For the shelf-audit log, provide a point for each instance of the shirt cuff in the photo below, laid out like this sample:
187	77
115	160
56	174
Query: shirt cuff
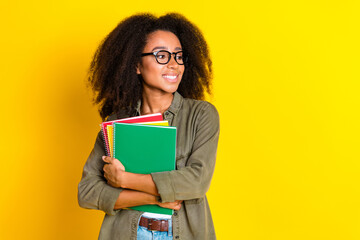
108	198
164	186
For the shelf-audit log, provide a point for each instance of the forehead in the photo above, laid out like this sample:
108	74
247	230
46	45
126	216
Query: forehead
160	38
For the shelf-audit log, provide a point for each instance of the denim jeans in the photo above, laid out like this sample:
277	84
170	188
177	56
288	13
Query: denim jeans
144	234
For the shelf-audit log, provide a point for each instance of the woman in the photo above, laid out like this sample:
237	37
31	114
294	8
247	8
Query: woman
149	65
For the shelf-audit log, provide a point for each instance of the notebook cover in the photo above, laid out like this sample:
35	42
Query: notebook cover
145	149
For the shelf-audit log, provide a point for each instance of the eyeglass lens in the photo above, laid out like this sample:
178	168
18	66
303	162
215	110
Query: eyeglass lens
163	57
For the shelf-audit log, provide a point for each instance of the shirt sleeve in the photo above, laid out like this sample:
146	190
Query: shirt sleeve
93	190
193	181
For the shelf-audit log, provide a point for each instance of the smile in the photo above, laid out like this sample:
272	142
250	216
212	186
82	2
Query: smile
170	77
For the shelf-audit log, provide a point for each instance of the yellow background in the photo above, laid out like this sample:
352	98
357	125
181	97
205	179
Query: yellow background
286	86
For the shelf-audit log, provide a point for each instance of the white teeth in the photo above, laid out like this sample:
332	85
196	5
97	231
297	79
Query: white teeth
170	77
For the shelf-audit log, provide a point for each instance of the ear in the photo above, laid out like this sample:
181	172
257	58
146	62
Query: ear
138	69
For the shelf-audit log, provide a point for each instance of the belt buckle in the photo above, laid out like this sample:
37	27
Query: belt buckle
162	225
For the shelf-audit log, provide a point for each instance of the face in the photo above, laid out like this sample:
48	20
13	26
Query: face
163	79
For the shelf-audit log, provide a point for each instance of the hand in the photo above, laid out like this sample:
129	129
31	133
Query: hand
113	171
171	205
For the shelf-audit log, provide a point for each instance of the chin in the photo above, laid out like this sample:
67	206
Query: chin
172	89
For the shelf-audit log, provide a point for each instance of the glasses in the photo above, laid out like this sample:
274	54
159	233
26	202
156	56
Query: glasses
163	56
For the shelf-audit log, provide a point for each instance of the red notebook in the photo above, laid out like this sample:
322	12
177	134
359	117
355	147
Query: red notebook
139	119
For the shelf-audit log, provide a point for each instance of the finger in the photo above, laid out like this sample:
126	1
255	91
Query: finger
107	159
122	166
108	181
111	183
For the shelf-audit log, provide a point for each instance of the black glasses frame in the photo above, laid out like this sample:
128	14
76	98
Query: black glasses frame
170	53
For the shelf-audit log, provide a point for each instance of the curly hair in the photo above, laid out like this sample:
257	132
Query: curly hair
112	74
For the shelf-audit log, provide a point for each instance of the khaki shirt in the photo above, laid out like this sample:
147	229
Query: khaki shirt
197	125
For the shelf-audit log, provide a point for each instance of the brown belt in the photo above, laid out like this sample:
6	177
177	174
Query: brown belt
154	225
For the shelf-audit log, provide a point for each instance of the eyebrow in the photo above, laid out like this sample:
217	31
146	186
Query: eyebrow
163	47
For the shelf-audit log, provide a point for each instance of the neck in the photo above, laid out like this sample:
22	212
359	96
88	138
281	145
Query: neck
155	103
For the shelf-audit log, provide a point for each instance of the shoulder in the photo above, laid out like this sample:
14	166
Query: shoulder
200	107
202	114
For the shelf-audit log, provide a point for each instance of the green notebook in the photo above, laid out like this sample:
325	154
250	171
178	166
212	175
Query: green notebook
145	149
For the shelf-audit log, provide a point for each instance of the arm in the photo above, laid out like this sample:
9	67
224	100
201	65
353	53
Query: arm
116	176
114	171
130	198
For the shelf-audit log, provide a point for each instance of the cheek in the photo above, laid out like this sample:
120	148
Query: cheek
150	68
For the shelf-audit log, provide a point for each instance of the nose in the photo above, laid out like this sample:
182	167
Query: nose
172	63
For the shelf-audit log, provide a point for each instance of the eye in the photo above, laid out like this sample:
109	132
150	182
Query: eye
161	55
179	57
